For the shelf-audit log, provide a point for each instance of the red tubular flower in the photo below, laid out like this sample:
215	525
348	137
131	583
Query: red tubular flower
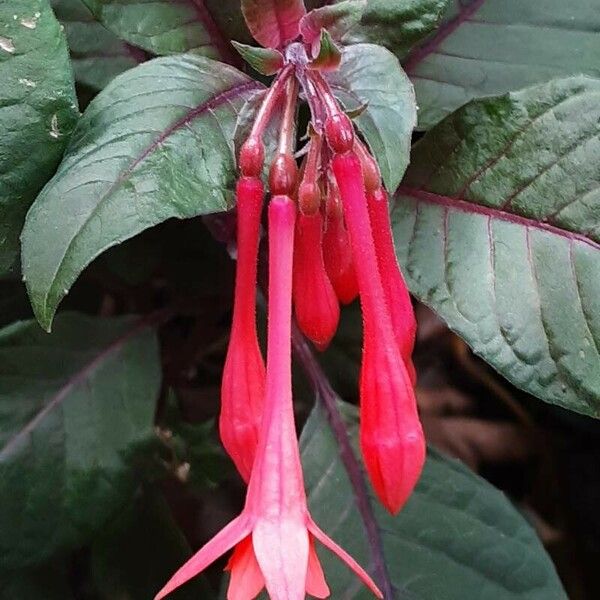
315	302
274	535
391	436
243	383
337	254
394	286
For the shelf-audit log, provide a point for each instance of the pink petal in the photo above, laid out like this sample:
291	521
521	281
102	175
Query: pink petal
281	548
345	557
315	579
246	581
224	541
273	22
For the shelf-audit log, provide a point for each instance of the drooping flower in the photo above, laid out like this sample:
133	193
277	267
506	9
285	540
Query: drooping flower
242	387
394	286
391	436
315	302
274	535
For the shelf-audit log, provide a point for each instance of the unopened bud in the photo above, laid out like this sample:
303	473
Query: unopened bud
283	175
309	197
339	132
252	157
370	169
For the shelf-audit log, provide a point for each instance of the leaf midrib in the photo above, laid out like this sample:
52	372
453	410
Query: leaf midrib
443	32
78	378
467	206
190	116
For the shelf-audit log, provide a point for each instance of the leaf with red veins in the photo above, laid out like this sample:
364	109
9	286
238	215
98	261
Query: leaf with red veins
338	19
264	60
273	23
328	55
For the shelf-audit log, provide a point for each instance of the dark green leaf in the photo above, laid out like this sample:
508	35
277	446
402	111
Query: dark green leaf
457	537
488	47
97	54
266	61
135	556
156	143
396	24
167	27
75	407
498	228
372	75
38	110
195	448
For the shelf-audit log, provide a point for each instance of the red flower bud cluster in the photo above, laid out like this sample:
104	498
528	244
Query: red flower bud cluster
330	241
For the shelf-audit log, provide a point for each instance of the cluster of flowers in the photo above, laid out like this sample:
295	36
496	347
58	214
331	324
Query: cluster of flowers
329	241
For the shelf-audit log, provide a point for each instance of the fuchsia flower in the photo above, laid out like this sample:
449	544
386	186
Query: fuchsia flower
394	286
342	248
316	305
391	436
242	388
274	536
338	252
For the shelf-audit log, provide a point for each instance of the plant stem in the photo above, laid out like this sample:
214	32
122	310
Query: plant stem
329	399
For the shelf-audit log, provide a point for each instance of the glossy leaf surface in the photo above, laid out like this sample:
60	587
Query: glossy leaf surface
156	143
38	110
75	407
488	47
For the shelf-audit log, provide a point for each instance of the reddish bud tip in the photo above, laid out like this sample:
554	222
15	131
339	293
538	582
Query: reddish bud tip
370	169
315	301
339	132
309	197
283	175
252	157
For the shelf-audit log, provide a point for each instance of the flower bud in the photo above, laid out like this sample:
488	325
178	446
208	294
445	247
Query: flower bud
337	254
394	287
252	157
309	197
283	175
243	383
339	132
391	436
315	302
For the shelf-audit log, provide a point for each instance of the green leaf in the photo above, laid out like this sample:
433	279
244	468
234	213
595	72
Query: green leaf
156	143
97	55
38	110
488	47
266	61
458	537
75	409
140	550
372	75
497	225
396	24
167	27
